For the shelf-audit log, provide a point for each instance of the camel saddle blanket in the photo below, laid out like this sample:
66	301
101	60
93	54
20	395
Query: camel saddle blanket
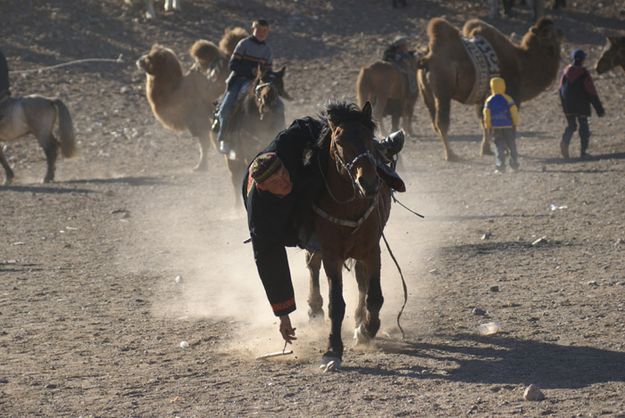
486	66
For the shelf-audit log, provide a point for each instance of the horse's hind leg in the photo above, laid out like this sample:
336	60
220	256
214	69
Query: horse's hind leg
204	141
8	173
315	301
395	121
50	148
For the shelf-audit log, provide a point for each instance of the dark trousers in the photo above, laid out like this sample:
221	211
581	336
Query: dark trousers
584	130
505	140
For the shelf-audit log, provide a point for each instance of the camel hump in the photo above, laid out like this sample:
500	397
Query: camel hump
440	30
231	38
204	52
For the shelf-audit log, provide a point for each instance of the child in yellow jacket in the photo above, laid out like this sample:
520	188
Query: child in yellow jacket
501	116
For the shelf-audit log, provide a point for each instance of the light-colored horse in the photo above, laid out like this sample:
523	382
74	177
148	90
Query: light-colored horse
37	115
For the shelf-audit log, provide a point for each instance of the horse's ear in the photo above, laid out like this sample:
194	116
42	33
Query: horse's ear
281	72
366	109
612	40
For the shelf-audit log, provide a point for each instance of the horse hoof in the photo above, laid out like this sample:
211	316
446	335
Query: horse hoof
330	362
48	180
316	317
361	335
486	151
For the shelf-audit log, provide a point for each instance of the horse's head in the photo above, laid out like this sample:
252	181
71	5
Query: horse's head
269	86
613	54
352	146
160	62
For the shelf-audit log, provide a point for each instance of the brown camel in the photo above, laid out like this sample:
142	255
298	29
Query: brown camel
213	60
613	55
382	84
180	101
447	72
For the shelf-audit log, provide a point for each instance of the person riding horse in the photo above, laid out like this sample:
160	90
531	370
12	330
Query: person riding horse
281	185
250	55
4	78
398	54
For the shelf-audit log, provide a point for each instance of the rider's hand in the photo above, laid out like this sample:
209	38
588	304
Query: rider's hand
287	331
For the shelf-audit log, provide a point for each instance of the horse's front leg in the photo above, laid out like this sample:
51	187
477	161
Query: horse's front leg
336	310
374	301
8	173
315	301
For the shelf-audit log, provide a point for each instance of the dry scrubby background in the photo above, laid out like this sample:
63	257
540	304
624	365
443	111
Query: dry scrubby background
90	314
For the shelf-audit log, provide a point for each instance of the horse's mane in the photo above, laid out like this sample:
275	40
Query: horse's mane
336	113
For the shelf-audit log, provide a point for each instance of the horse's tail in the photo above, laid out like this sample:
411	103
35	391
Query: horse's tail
66	129
363	87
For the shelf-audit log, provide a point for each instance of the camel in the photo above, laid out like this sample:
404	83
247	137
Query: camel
180	101
447	73
382	84
613	55
213	59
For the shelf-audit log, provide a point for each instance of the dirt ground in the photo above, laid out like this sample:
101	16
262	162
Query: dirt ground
106	272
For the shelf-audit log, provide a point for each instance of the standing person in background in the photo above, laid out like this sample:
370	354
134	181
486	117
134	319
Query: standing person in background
4	78
577	93
501	116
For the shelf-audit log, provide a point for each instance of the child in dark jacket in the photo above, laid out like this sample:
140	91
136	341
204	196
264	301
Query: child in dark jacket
577	93
502	117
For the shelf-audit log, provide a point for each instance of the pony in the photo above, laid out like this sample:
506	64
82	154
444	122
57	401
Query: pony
255	121
387	88
447	73
37	115
613	55
349	217
180	101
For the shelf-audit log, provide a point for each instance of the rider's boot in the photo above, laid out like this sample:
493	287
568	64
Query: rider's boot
391	145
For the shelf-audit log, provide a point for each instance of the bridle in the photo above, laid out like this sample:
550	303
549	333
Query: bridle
259	98
347	167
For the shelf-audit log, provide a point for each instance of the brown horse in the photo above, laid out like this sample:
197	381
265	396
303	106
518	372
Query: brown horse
448	72
613	55
349	218
255	121
37	115
382	84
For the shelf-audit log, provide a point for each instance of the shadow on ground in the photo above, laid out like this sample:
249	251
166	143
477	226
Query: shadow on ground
507	360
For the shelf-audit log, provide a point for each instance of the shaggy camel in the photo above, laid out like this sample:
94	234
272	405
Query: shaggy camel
382	84
179	101
213	60
613	55
447	72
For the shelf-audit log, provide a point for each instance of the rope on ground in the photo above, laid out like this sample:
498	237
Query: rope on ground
117	60
403	283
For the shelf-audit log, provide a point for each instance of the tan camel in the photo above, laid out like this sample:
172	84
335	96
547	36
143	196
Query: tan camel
447	73
179	100
213	60
613	55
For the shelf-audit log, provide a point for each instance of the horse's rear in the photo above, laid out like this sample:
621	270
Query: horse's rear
382	84
39	116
